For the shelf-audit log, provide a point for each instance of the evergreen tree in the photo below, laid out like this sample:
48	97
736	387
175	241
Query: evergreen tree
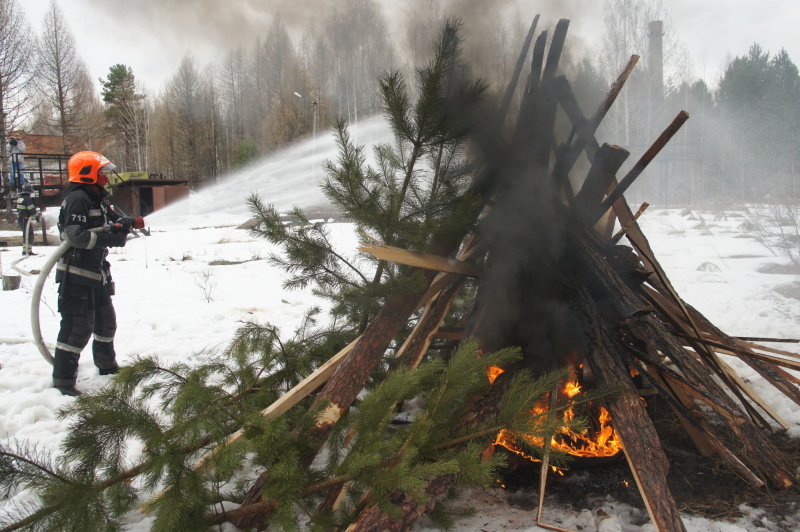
759	105
153	422
126	116
416	189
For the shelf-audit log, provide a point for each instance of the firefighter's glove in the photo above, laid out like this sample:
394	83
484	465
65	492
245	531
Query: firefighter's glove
113	240
119	227
126	222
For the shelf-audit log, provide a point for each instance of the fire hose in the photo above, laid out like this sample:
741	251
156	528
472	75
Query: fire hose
136	223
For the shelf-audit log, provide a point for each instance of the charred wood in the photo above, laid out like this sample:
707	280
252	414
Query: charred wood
643	161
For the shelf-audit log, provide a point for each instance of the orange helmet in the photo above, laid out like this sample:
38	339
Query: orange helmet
89	167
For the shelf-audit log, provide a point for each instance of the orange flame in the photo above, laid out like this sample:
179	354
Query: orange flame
598	443
572	389
492	372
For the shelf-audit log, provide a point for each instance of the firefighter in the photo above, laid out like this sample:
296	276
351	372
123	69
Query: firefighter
83	273
26	209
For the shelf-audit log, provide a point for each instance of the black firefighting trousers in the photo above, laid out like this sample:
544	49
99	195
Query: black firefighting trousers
85	311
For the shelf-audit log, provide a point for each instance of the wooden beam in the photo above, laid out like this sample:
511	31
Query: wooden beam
617	237
644	160
632	424
760	339
556	47
449	335
586	141
751	345
745	352
420	260
512	85
607	162
747	389
416	344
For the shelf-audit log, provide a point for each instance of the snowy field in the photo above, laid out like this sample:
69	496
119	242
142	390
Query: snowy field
184	290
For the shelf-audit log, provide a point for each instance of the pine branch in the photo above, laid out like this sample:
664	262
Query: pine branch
276	232
29	520
35	465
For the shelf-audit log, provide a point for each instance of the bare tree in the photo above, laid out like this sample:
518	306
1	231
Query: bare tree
361	52
189	125
17	49
233	85
63	82
183	101
255	97
423	23
627	32
90	123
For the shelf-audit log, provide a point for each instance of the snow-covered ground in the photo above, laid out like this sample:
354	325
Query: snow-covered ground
184	290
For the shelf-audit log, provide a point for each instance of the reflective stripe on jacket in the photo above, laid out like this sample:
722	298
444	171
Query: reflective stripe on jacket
83	209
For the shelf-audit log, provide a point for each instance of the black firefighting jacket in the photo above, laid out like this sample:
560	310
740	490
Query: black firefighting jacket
26	208
85	207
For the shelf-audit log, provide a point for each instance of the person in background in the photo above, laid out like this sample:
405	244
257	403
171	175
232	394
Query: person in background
90	225
26	210
16	149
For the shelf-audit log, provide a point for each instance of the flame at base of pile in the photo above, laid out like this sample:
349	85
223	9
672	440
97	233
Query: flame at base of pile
590	443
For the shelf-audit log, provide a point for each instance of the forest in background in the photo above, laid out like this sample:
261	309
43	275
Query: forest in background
741	144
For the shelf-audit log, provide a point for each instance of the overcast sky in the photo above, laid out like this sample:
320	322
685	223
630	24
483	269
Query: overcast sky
151	36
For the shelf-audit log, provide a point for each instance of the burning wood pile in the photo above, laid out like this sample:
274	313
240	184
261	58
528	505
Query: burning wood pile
554	279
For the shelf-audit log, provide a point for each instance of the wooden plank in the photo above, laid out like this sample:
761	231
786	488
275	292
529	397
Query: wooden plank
633	426
581	126
727	413
546	455
746	352
760	339
768	349
537	61
420	260
556	47
613	92
439	283
449	335
617	237
512	85
420	338
288	400
606	356
747	389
